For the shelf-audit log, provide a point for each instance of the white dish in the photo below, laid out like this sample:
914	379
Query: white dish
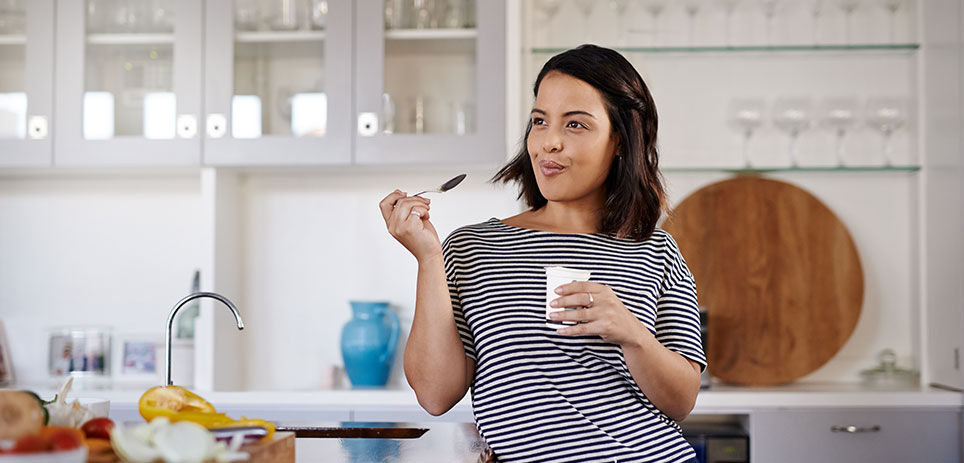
78	455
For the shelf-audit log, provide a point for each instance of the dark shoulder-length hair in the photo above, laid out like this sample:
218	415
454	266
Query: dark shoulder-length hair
635	196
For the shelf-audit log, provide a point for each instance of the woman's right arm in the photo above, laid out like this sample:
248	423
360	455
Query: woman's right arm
435	362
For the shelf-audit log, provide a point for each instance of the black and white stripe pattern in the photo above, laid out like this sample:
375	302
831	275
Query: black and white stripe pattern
542	397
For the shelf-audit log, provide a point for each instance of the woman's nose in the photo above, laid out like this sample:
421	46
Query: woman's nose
552	143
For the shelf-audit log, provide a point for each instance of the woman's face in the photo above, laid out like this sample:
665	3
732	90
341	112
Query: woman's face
570	145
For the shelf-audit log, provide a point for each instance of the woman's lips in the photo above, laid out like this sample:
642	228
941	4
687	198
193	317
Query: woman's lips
550	168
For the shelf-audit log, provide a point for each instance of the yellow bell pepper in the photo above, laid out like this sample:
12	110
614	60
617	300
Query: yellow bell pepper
179	404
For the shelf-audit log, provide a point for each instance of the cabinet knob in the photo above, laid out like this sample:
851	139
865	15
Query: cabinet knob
367	124
851	429
217	125
37	127
186	126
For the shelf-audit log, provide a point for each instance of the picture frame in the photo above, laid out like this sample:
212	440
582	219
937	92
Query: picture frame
6	361
138	359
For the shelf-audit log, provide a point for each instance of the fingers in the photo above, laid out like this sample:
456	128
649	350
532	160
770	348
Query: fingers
396	207
574	315
580	287
581	299
388	203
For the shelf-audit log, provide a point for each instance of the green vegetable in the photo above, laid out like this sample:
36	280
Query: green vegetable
43	404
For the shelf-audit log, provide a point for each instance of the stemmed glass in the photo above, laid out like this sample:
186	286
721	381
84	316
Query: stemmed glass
655	9
887	114
692	8
585	8
893	6
848	7
547	10
728	7
619	7
746	115
792	115
839	114
769	8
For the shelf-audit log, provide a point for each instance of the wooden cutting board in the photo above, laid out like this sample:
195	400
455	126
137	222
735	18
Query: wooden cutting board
778	273
279	449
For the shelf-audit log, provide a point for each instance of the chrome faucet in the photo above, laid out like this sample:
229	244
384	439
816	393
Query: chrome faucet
190	297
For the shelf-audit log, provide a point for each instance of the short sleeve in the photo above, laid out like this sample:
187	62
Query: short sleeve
677	310
451	278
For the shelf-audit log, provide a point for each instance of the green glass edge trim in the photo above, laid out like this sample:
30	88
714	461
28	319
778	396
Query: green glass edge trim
792	169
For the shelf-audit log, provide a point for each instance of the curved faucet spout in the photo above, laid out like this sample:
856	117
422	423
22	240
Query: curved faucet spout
179	305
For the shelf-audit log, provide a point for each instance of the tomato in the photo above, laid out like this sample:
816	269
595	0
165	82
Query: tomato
30	444
62	438
98	428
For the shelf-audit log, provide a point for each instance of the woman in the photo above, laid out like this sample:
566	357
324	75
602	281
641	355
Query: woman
612	386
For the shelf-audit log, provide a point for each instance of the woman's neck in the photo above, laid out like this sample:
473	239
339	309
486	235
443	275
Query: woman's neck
559	218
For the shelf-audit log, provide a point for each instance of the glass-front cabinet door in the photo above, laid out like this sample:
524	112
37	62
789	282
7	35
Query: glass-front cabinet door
278	82
430	81
26	81
128	82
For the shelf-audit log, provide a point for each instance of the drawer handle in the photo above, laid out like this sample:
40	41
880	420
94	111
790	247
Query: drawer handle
855	429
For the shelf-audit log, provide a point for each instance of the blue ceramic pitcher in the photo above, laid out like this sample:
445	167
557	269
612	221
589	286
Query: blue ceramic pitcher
368	343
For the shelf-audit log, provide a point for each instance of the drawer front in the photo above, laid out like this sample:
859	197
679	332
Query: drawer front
855	435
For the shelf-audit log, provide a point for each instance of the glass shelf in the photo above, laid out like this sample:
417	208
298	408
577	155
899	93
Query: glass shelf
280	36
906	47
13	39
760	170
130	39
431	34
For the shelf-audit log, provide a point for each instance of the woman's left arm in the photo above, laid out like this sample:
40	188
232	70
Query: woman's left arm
669	380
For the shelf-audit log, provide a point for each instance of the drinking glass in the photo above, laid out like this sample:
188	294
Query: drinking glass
319	14
286	15
546	10
746	115
585	8
423	14
655	9
394	16
848	7
729	6
692	8
619	7
892	7
839	115
792	115
247	15
887	115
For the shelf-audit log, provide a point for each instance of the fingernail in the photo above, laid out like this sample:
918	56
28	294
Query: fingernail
559	290
554	303
563	331
553	315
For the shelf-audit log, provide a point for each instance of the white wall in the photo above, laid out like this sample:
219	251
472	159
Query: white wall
93	250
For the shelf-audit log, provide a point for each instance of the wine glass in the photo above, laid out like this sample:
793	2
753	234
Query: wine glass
585	8
769	8
692	8
887	114
729	6
655	9
746	115
619	7
816	11
547	10
839	114
792	115
892	7
848	7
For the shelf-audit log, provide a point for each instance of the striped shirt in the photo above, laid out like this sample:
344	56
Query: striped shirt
539	396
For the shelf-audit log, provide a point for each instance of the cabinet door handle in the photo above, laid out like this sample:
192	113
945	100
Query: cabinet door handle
855	429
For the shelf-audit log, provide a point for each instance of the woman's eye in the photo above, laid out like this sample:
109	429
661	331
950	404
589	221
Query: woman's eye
538	121
575	125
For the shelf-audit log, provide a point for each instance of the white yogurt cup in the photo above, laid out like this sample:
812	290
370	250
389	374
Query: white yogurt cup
556	277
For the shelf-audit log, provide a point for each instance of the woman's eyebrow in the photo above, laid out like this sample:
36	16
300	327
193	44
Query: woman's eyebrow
567	114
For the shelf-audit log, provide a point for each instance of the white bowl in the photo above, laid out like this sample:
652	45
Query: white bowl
78	455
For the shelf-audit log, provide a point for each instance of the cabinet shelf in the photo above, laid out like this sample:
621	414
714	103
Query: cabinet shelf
130	39
761	170
13	40
895	47
431	34
280	36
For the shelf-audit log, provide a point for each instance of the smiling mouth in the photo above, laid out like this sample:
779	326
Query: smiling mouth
549	168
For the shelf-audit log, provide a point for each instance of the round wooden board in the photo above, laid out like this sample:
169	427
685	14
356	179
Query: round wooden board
778	273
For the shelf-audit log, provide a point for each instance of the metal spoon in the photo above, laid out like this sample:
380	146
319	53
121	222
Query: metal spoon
445	186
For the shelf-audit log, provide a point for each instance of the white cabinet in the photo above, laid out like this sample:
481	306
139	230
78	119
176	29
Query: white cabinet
892	435
26	83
